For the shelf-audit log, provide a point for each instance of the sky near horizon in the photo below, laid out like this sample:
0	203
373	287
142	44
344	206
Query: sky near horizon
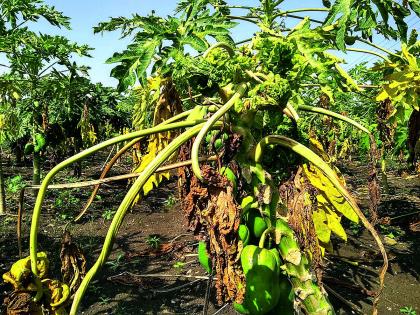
87	14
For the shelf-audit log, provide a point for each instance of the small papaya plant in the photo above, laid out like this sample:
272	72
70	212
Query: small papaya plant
265	195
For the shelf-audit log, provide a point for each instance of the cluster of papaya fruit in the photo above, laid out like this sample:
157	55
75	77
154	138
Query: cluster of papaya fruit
268	290
37	145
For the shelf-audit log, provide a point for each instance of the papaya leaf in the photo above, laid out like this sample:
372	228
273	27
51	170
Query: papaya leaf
322	229
328	194
415	6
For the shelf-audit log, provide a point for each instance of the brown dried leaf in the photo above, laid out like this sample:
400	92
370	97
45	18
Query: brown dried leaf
21	303
373	183
211	207
293	193
73	263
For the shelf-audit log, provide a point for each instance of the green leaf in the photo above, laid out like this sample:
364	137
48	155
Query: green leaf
415	6
195	42
343	9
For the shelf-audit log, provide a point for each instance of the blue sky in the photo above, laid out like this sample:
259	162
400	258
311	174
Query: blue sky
88	13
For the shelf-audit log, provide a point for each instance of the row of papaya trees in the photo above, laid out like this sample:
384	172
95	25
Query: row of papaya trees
257	184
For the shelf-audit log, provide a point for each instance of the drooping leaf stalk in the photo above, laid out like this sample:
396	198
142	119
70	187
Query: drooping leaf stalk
327	112
125	205
219	45
33	241
370	52
116	157
105	171
362	40
330	174
373	188
290	112
208	125
306	10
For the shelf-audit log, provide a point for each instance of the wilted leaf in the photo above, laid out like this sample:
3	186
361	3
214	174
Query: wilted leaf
73	262
322	230
329	194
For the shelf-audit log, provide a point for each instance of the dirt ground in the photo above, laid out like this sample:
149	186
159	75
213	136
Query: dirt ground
122	288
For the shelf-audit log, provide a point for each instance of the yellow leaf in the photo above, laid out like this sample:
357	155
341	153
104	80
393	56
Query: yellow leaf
335	225
317	147
350	81
2	121
320	222
328	194
382	96
16	95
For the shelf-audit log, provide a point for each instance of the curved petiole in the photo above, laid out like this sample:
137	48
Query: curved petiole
219	45
125	205
33	240
327	112
208	125
117	156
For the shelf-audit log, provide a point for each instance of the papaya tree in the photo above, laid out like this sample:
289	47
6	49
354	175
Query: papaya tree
32	57
8	132
401	92
263	193
13	31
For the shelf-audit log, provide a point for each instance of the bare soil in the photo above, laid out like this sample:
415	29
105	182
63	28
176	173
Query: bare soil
351	271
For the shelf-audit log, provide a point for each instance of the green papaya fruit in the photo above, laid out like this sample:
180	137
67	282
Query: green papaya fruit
204	257
261	268
286	298
39	142
243	232
29	149
230	175
255	223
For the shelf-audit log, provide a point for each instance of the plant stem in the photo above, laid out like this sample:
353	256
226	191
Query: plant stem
290	111
88	183
213	119
219	45
377	47
36	177
2	189
370	52
333	114
404	215
33	241
384	176
362	86
298	271
264	236
306	10
235	6
249	19
298	17
105	171
116	157
125	205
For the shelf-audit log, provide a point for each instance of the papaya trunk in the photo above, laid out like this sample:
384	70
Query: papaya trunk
36	177
2	189
18	154
384	177
314	299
